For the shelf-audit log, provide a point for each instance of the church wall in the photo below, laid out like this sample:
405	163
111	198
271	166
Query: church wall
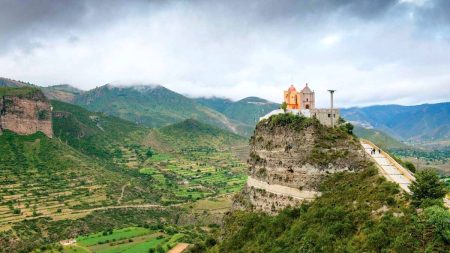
323	115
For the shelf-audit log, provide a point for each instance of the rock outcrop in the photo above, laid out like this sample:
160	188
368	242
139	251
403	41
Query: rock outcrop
289	156
25	111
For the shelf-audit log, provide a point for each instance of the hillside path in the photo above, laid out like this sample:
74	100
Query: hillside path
281	189
389	167
119	201
179	248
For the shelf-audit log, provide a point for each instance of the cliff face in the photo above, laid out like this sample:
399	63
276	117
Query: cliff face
25	111
289	156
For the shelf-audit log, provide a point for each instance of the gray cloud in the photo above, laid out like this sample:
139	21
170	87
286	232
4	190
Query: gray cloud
371	51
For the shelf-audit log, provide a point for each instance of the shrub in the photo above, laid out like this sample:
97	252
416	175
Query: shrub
439	218
427	187
410	166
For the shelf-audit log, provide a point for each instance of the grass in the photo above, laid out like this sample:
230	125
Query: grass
119	234
142	247
22	92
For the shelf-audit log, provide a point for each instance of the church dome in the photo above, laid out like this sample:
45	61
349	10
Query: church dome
306	89
292	88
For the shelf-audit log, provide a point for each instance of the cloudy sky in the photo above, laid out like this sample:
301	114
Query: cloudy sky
371	52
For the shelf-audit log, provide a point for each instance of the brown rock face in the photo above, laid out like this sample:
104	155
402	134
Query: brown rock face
290	156
26	114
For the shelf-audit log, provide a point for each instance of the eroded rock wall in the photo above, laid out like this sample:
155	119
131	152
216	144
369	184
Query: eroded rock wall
26	115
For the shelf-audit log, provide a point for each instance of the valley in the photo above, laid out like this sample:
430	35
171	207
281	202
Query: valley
99	166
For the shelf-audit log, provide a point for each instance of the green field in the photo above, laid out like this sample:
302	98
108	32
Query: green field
130	240
120	234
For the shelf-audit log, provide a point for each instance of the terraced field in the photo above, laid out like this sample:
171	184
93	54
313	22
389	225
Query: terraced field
197	174
130	240
37	180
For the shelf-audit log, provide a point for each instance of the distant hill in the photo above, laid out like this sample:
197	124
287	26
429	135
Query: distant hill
380	139
247	110
153	106
61	92
6	82
427	122
192	134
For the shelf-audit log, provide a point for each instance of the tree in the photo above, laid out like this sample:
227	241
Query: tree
439	218
427	189
283	106
149	153
160	249
410	166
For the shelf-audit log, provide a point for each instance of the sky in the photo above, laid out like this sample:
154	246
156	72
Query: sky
371	52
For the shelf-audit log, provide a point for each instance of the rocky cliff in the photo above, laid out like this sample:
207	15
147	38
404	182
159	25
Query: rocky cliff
289	156
25	111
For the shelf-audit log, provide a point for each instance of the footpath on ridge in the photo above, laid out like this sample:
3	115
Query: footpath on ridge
282	190
390	169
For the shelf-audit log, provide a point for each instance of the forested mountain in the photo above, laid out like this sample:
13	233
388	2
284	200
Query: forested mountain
427	122
247	110
153	106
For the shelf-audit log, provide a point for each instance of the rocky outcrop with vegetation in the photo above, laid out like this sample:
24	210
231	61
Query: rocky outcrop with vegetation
25	111
295	152
357	209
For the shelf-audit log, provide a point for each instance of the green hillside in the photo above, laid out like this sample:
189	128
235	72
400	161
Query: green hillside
192	134
358	212
247	110
195	160
94	133
379	138
216	103
42	176
153	106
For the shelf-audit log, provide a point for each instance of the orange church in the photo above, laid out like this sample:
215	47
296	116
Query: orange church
305	99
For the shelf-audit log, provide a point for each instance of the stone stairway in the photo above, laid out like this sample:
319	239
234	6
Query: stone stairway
389	167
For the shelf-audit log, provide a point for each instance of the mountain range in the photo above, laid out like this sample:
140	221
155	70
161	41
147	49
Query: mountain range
418	123
156	106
